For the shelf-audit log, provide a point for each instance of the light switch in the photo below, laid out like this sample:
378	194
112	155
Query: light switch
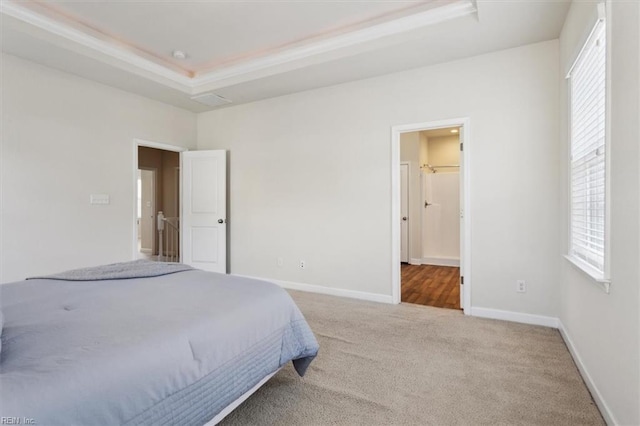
99	199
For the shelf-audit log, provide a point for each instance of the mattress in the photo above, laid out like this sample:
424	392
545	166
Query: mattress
169	349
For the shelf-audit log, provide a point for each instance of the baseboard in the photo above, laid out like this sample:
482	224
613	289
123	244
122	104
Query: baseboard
595	393
515	317
414	261
331	291
441	261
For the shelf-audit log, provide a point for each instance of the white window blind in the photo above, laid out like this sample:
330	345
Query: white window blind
587	170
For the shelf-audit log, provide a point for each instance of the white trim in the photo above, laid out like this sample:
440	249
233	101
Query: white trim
415	261
331	291
194	85
441	261
595	275
396	201
515	317
242	398
158	145
601	17
604	12
465	138
149	144
605	411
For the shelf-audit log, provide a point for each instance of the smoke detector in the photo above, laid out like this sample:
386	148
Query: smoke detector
179	54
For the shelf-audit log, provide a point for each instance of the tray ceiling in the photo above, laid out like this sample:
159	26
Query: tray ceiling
245	51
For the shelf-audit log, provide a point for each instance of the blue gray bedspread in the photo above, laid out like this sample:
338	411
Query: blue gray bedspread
172	349
119	271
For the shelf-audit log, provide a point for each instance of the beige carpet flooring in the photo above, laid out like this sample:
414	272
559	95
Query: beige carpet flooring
417	365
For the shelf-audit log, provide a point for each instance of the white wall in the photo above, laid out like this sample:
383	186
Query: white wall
64	138
310	175
441	219
410	152
424	149
604	329
444	151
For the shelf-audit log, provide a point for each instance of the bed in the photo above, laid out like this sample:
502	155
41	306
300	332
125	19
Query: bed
143	343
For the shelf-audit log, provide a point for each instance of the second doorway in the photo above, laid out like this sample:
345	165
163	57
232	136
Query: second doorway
430	217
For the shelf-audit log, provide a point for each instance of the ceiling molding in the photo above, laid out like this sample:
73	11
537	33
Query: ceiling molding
405	24
293	58
110	50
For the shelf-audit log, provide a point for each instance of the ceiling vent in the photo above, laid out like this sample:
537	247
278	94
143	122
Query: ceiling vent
211	99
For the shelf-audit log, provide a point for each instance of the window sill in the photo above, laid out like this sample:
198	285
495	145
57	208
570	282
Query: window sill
596	278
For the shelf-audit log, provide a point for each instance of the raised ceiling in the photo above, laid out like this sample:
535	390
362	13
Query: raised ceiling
218	34
246	51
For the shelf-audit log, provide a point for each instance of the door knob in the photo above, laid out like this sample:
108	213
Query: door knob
220	221
404	218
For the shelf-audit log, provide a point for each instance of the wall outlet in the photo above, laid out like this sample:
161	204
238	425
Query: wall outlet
521	286
302	264
280	262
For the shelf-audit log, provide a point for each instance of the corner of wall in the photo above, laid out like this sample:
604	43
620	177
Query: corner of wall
608	416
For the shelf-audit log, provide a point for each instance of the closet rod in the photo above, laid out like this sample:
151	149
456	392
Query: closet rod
433	168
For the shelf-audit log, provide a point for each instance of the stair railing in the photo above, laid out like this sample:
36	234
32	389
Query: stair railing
168	238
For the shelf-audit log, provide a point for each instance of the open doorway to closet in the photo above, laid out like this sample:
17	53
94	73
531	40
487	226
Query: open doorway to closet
429	199
430	228
158	204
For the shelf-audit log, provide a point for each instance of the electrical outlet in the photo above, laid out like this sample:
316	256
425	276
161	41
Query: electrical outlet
280	262
303	264
521	286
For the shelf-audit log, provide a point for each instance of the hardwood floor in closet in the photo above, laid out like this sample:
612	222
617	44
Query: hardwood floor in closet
430	285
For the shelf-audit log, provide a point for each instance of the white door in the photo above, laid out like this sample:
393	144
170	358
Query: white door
204	205
404	213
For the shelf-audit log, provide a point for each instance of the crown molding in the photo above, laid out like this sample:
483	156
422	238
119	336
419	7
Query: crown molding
105	48
405	24
293	58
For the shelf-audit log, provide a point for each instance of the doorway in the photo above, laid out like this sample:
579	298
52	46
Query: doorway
190	204
157	218
430	196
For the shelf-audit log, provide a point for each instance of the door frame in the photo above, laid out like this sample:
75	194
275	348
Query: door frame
465	211
149	144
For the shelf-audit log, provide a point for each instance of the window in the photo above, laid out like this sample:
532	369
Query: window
588	152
